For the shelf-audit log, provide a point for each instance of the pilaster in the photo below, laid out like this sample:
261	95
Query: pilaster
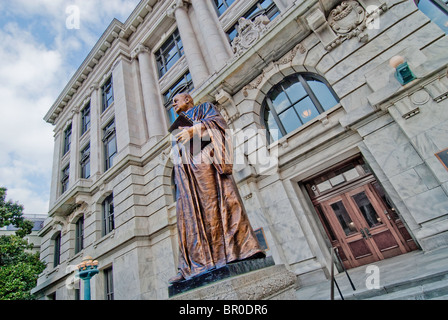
154	110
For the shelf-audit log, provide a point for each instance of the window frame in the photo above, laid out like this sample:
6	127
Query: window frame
85	162
65	179
223	4
79	235
108	283
109	136
67	139
303	78
105	89
108	218
256	10
57	250
85	118
160	54
183	84
439	3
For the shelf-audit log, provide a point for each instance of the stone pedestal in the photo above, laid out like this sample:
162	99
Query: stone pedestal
247	280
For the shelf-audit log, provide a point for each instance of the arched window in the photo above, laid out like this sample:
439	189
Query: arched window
294	101
436	10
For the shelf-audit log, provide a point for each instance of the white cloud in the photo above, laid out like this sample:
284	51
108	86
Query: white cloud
38	55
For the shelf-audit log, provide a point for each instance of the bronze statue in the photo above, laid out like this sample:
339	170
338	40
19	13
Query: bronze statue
213	227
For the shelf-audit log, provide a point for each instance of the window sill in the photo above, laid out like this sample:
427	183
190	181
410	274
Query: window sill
110	235
322	118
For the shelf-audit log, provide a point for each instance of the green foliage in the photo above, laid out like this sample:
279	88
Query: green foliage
19	268
12	213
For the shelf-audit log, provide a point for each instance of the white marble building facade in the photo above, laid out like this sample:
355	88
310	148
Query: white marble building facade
123	207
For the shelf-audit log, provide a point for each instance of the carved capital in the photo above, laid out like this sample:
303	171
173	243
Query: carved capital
176	5
138	50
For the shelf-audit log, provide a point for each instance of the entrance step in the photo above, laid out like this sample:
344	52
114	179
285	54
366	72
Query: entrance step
423	288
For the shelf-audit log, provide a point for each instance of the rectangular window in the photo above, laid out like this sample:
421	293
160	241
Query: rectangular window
222	5
170	52
65	179
67	138
79	236
184	84
107	93
108	215
85	119
85	162
57	250
109	283
110	145
262	7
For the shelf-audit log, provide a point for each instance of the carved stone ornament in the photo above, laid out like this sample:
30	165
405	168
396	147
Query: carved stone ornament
346	17
248	33
348	20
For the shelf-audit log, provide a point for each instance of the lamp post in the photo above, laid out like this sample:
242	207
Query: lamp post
86	270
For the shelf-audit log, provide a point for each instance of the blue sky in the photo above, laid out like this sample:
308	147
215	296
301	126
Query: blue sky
38	56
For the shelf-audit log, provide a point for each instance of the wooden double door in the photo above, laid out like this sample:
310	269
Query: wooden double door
364	227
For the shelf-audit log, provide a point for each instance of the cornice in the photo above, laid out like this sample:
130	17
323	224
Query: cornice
115	31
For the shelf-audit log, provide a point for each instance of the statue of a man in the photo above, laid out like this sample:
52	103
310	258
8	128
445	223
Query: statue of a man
213	227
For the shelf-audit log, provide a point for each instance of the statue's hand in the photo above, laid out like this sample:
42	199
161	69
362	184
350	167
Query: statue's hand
185	135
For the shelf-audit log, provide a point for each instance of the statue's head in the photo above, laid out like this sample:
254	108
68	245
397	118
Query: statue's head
182	102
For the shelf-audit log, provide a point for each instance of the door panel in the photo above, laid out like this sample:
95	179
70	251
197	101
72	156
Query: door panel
357	248
386	243
363	230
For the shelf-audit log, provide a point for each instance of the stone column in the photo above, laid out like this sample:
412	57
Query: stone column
193	53
154	111
216	47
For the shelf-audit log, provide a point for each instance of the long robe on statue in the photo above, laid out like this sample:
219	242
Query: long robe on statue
213	227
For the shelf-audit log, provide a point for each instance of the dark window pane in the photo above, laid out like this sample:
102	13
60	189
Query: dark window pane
367	209
343	217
